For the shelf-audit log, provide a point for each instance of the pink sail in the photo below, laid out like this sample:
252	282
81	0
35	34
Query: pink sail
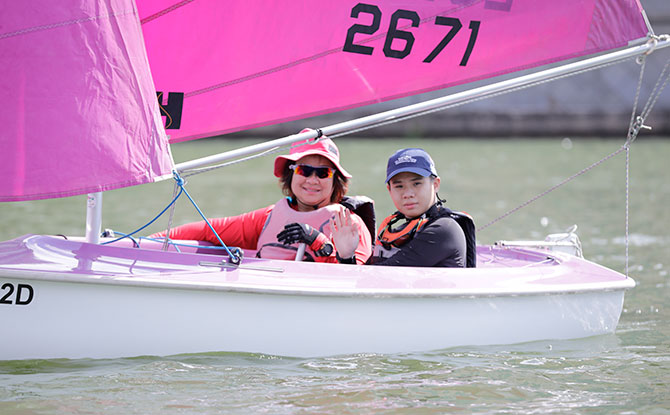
80	112
225	66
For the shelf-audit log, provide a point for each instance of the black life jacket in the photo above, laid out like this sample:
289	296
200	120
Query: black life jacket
364	207
390	237
468	225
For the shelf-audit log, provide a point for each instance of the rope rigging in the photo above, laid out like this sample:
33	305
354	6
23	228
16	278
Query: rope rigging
234	254
636	124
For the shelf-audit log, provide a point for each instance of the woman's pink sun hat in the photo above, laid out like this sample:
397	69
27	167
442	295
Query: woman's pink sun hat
325	147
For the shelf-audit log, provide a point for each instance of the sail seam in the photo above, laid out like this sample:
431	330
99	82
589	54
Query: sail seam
165	11
62	24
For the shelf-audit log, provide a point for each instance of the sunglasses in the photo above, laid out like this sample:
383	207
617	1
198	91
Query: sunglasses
307	170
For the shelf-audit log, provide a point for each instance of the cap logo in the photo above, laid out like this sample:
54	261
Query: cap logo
332	149
405	159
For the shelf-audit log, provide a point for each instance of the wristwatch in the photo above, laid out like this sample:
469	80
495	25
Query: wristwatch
351	260
325	250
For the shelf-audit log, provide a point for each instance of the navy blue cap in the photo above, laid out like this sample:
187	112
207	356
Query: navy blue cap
413	160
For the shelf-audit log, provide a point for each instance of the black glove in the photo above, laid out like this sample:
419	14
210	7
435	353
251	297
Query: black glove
302	232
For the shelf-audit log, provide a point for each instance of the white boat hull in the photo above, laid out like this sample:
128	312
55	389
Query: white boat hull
79	320
107	316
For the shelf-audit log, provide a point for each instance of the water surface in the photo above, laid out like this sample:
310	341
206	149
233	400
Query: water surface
624	373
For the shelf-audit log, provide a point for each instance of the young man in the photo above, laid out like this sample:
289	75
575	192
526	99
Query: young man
422	232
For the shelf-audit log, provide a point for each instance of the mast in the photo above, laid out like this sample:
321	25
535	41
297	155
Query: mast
93	217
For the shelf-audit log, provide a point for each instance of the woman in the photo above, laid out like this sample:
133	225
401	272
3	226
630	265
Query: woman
315	183
421	232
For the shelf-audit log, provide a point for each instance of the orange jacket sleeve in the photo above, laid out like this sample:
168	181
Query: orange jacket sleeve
241	231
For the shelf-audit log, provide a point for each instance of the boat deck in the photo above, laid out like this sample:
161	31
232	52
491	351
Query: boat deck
500	271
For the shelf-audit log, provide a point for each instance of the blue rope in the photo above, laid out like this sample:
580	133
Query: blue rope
152	221
180	183
137	244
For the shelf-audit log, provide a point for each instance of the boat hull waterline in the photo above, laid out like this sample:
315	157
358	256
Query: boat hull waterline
68	299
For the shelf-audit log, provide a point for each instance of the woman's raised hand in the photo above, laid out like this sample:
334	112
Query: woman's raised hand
345	233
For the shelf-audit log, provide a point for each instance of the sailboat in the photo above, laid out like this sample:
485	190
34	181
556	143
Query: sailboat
97	90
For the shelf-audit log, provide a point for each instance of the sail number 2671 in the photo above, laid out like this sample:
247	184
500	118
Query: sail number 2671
395	33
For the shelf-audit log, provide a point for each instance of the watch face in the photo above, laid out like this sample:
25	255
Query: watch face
326	250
